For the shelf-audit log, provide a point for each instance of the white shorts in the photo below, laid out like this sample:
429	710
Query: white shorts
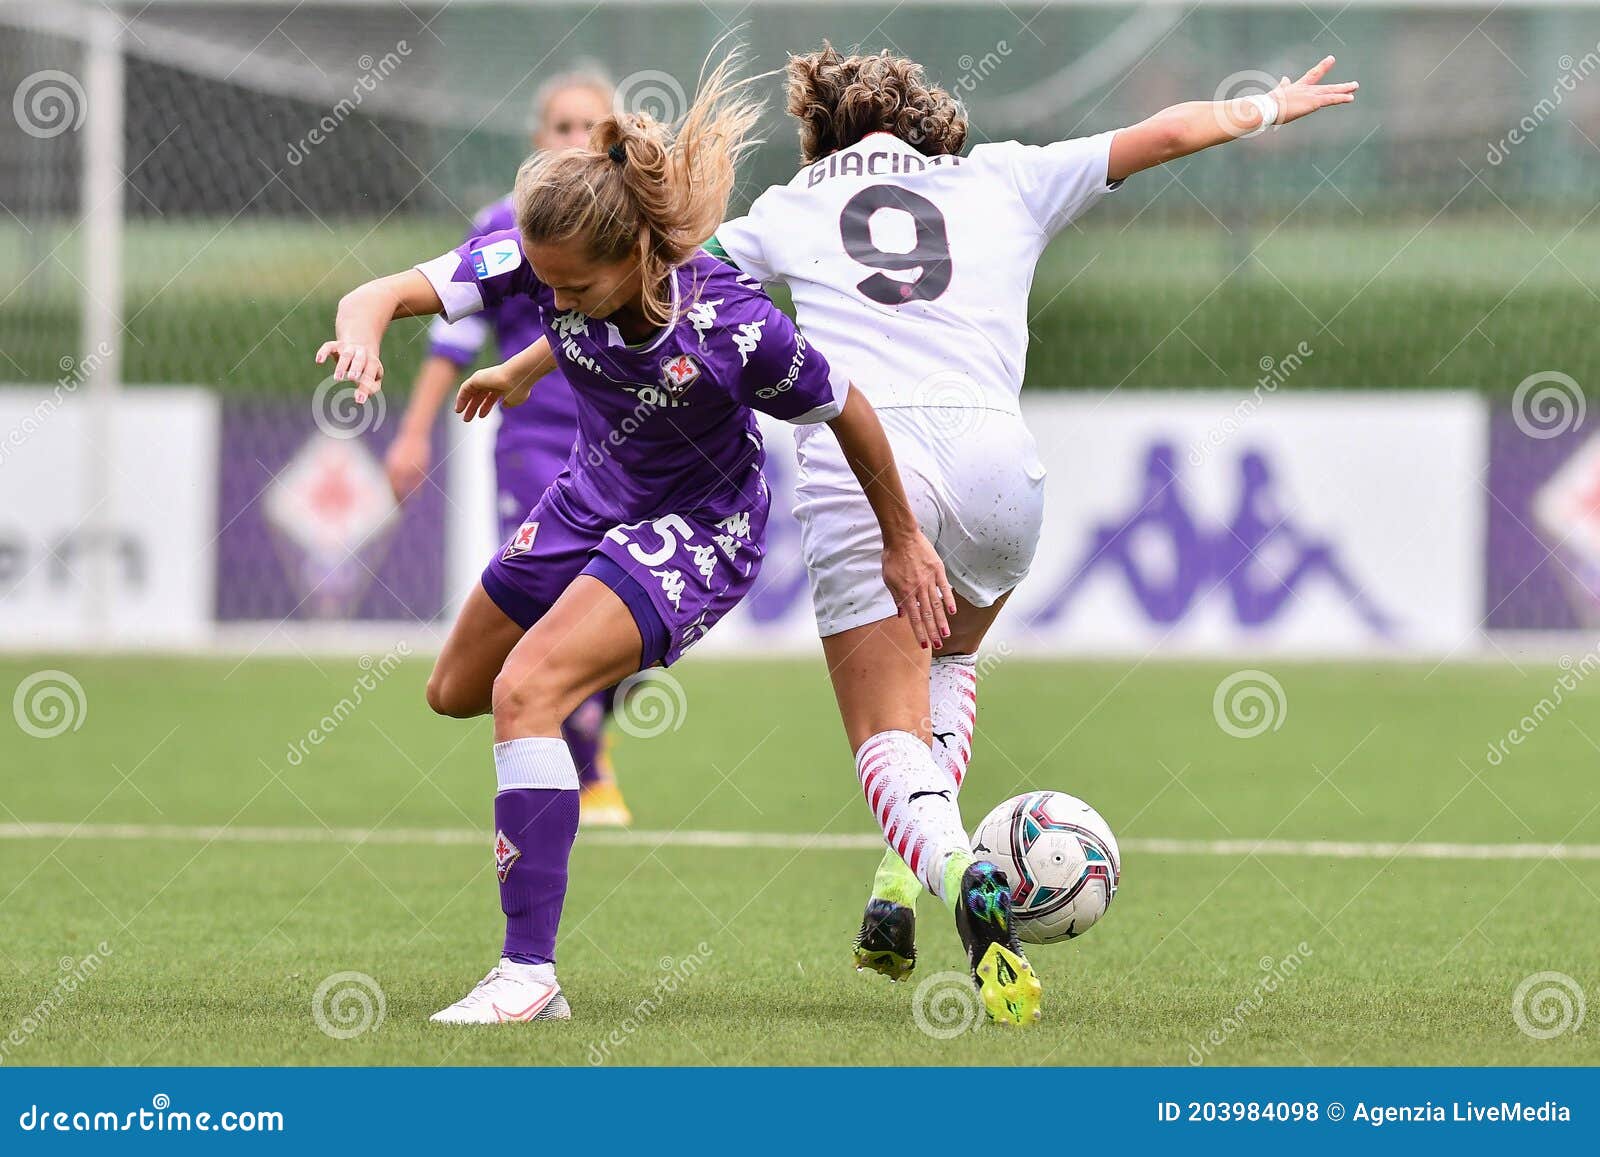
975	483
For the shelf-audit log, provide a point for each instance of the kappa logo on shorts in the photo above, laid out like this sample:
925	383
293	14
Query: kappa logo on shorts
506	853
679	373
522	541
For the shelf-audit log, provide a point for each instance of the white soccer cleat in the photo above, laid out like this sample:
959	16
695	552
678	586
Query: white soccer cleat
511	992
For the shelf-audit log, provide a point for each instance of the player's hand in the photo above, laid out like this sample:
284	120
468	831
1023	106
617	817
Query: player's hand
357	363
915	577
407	463
1299	98
480	392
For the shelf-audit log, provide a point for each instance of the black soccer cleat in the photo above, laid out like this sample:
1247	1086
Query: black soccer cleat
1001	973
887	942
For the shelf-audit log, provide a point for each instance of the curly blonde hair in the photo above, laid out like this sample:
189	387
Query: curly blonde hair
840	99
642	187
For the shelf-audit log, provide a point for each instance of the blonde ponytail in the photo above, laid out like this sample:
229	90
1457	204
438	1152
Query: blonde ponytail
642	187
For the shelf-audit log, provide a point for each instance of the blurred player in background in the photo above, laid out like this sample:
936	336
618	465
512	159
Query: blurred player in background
656	530
911	265
534	441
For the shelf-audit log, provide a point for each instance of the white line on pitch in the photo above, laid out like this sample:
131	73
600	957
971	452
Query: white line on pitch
1329	849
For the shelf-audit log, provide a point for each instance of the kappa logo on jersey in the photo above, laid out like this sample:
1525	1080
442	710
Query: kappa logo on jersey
703	315
506	853
493	260
679	373
521	542
747	338
571	322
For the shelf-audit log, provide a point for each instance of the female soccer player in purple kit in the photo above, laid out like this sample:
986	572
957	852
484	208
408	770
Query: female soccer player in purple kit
655	530
534	441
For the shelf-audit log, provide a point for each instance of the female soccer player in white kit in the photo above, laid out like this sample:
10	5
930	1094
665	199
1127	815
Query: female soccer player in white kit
911	265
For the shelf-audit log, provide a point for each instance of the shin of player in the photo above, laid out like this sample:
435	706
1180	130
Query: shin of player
953	713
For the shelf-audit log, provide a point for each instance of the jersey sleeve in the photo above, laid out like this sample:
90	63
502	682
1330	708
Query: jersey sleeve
783	374
458	342
738	242
482	272
1059	183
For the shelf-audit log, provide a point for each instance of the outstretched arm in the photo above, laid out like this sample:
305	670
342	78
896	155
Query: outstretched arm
507	383
1187	128
364	314
911	567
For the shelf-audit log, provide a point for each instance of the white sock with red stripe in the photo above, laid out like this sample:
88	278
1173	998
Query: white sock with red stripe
914	801
953	698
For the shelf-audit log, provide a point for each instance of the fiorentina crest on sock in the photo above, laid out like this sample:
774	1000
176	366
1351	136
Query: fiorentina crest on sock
506	853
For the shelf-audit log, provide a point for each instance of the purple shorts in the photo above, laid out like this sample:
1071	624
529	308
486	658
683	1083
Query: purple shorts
678	573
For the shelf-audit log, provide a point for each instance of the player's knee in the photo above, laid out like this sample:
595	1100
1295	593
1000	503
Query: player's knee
448	695
533	693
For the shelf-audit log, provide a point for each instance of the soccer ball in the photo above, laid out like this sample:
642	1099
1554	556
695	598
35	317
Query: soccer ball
1060	857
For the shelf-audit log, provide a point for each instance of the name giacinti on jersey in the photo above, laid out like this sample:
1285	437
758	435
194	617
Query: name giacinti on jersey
1502	1112
876	164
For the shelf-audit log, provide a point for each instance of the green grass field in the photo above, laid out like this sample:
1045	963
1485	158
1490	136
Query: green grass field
214	948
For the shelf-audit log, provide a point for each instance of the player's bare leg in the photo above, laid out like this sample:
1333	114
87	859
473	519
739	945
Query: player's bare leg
588	640
880	678
462	681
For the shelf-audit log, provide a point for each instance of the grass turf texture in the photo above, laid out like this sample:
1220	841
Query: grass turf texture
216	950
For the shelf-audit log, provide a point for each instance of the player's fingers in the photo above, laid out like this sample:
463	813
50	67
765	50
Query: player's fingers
325	349
919	626
341	369
1317	71
486	403
940	621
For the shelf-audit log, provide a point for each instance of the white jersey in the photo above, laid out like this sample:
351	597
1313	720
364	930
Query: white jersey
911	272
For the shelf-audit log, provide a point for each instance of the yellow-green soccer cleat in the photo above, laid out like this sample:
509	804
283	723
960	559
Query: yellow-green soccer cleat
1006	985
887	942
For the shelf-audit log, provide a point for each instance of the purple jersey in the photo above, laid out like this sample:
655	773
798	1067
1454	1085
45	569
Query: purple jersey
663	499
664	426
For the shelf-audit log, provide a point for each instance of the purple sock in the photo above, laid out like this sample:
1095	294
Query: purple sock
536	820
584	732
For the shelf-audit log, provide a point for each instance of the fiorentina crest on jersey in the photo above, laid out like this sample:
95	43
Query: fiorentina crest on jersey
679	373
522	541
506	853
